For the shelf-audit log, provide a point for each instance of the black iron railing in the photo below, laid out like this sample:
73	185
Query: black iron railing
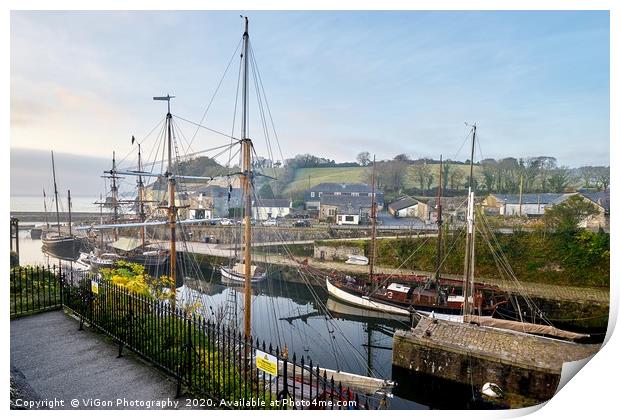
212	363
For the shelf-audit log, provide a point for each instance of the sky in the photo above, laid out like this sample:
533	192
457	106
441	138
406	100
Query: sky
337	83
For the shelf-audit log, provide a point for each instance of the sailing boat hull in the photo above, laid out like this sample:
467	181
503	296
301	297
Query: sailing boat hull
233	276
62	246
363	301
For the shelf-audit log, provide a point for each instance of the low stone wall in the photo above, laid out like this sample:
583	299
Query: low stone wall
331	253
522	366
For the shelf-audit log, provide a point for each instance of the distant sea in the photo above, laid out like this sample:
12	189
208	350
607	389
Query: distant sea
35	204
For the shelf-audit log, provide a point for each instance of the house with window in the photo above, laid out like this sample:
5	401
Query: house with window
404	207
271	208
524	205
345	209
312	196
601	200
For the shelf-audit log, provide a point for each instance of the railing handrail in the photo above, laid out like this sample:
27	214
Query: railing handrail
205	356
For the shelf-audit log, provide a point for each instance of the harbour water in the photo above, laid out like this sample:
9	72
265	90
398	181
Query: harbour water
298	316
35	203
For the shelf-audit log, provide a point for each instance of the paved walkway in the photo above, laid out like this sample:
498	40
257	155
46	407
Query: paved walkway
51	357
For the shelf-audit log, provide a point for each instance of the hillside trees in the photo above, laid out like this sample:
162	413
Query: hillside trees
363	159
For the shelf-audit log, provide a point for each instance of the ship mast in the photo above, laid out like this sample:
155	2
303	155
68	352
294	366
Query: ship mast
141	198
69	203
373	237
439	221
55	194
468	279
246	182
114	192
47	221
171	200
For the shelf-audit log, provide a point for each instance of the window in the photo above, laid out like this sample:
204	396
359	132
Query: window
349	218
312	194
331	212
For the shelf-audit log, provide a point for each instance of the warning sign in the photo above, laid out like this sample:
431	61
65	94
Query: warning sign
94	287
267	363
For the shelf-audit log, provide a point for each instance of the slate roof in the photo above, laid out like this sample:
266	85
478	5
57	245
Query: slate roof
348	204
402	203
542	198
601	198
331	187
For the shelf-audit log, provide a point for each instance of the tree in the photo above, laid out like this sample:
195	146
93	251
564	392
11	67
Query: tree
445	177
602	177
559	179
566	216
489	173
456	178
390	175
401	157
587	175
266	191
547	166
421	173
363	158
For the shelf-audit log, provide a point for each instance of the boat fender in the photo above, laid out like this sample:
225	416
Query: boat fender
492	390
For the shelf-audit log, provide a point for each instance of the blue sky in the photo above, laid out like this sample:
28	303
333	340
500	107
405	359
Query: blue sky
537	83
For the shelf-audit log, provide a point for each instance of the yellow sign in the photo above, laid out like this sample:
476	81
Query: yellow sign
94	287
267	363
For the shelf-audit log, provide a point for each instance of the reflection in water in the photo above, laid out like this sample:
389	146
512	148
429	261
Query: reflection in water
300	317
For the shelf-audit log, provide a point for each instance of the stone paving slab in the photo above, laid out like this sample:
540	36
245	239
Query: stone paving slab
499	345
60	362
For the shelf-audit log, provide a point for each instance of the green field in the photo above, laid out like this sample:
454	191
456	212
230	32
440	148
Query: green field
307	177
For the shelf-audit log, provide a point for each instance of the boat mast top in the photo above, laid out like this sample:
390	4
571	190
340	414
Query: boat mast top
373	219
468	280
55	193
246	182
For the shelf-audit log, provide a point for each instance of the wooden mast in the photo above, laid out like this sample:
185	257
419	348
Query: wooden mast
114	190
246	182
171	202
439	222
468	278
101	220
373	237
141	198
47	221
69	204
55	193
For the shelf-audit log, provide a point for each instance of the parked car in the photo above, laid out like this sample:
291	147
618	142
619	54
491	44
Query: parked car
226	222
301	223
211	239
270	222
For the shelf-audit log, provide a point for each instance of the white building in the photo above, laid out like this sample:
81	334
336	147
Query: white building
526	205
271	208
404	207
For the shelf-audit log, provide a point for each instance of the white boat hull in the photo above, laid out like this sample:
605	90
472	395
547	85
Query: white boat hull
239	278
363	302
367	303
